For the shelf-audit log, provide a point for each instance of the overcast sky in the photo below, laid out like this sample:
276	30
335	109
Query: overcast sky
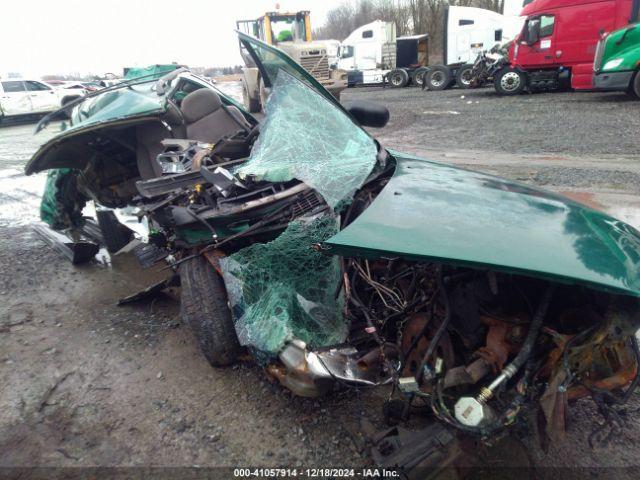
41	37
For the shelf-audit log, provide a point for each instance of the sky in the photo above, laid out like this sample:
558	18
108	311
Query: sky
41	37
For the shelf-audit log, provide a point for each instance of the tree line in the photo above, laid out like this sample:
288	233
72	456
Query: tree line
410	16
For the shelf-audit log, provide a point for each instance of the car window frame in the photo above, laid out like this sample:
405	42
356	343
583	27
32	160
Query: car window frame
44	89
4	90
552	24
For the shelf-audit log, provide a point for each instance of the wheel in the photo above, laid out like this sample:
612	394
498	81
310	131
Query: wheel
398	78
203	306
635	85
438	78
418	76
464	76
510	81
251	104
114	234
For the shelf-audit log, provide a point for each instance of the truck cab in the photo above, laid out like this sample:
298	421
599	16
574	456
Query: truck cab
557	44
617	62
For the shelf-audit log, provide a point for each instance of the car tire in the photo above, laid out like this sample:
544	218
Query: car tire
114	234
204	307
463	76
438	78
510	81
635	85
398	78
418	76
251	104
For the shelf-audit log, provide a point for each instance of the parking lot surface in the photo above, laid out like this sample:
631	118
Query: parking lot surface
87	383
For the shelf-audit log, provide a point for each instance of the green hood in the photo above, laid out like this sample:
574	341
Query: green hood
623	47
430	211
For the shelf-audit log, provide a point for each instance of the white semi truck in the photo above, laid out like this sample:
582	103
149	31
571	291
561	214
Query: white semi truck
469	31
372	54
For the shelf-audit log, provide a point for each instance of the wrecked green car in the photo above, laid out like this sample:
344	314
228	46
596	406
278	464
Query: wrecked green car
336	262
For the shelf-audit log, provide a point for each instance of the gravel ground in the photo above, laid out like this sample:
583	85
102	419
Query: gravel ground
573	123
87	383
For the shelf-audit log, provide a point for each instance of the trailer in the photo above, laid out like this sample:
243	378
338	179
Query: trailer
468	32
373	55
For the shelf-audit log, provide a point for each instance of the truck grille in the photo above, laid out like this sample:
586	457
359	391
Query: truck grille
316	65
597	61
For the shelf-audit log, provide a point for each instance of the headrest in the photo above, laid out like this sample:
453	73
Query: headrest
199	104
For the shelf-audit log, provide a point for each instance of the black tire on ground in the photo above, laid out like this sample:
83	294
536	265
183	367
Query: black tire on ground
251	104
438	78
114	234
418	76
635	85
203	306
463	76
398	78
510	81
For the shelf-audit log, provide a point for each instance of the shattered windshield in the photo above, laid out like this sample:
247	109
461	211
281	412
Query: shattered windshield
307	138
285	289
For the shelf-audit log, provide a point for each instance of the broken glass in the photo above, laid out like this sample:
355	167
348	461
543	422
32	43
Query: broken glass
306	137
285	289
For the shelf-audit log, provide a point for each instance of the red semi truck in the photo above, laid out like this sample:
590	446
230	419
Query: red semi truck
557	45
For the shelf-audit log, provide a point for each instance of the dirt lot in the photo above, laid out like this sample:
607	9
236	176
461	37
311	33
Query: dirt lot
86	383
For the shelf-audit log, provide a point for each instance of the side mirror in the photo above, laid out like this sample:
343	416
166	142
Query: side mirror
532	31
368	114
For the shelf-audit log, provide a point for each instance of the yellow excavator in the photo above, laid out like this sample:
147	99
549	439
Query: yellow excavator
291	33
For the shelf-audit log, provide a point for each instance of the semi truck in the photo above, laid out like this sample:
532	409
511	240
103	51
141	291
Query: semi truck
291	33
617	61
373	54
557	45
469	31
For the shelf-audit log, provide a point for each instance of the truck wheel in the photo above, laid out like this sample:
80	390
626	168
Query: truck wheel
636	85
418	76
464	76
203	306
438	78
510	81
114	234
251	104
398	78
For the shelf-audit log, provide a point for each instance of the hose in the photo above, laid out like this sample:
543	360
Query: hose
441	329
532	335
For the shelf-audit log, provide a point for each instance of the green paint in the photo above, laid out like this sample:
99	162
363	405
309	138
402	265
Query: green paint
430	211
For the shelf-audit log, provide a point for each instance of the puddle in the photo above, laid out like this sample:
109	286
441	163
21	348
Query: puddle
440	112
